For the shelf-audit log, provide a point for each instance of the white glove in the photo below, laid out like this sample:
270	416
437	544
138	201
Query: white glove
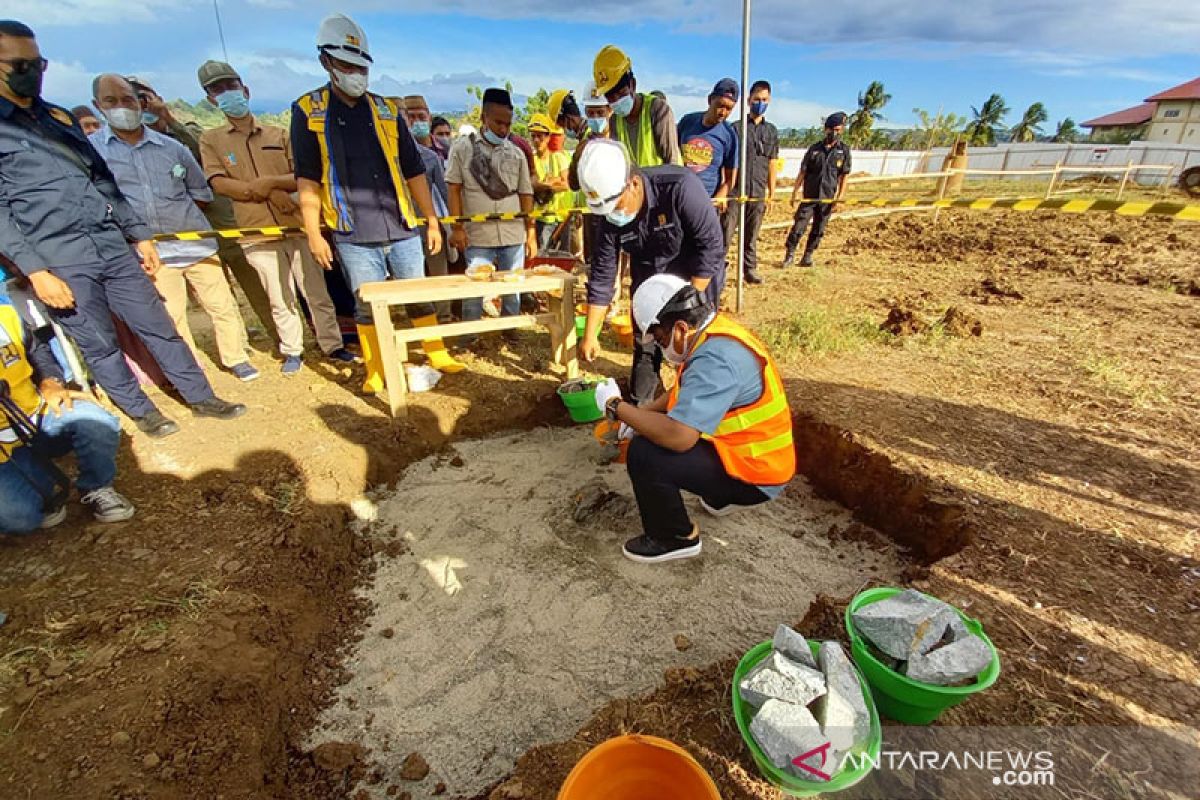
605	391
625	432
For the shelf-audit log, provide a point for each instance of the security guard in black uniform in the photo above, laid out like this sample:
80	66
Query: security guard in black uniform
664	218
66	226
823	178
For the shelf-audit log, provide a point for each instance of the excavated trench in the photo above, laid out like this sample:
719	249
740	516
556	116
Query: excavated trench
503	620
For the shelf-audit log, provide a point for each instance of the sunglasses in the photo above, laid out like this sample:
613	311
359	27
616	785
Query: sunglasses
21	66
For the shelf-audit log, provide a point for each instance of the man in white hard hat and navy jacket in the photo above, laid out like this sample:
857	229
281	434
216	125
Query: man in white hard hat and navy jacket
723	432
663	217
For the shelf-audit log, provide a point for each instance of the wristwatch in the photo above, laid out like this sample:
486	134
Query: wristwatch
610	408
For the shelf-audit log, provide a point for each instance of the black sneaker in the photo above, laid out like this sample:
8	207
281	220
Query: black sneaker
218	409
788	258
752	277
807	260
648	550
155	425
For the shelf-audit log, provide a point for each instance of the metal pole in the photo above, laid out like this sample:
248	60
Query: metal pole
743	151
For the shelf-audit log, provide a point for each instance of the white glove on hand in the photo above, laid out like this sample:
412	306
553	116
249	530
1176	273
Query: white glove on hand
605	391
625	432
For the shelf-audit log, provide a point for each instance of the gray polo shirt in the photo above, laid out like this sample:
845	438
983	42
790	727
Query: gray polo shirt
163	182
509	162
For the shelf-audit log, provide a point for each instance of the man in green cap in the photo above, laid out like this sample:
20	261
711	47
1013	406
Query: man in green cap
251	164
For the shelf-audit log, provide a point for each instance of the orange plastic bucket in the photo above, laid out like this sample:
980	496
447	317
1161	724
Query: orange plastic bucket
638	768
622	325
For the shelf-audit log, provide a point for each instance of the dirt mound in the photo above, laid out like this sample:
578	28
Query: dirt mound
958	323
903	321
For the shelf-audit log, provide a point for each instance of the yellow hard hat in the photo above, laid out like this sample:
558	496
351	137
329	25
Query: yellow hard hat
610	66
555	103
542	122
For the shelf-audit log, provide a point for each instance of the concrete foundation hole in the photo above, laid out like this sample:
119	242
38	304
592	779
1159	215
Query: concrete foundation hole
500	622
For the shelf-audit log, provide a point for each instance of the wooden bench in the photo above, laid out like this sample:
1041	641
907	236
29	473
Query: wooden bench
393	343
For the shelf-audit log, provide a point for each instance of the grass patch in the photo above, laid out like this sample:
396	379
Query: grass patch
1117	379
821	330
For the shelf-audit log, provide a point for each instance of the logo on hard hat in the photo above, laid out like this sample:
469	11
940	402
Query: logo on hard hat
352	39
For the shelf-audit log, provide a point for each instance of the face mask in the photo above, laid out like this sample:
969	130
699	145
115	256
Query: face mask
493	138
573	136
123	119
672	355
758	108
620	218
419	129
597	124
444	141
148	118
352	84
27	84
233	103
623	106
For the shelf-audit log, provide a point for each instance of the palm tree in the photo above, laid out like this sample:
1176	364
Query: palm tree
870	103
1030	126
982	129
1066	131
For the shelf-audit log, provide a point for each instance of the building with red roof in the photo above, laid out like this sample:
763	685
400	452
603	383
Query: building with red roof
1172	115
1176	114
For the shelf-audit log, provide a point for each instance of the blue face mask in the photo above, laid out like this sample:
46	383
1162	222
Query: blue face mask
623	106
597	124
493	138
149	119
620	218
233	103
420	129
758	108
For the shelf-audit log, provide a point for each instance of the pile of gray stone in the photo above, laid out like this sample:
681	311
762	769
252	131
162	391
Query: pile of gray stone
923	638
806	705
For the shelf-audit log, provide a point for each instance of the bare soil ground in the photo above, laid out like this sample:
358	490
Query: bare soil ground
1045	471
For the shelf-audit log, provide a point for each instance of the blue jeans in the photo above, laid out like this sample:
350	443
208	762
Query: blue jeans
90	431
365	263
506	258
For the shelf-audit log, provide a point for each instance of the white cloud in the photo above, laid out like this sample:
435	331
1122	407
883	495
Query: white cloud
38	13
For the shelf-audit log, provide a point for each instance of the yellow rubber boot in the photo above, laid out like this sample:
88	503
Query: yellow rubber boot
439	357
369	343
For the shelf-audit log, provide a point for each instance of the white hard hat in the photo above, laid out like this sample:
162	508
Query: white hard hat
603	173
340	37
651	298
592	98
467	130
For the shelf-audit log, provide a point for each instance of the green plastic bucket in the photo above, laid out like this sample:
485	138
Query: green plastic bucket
900	697
786	782
581	405
580	327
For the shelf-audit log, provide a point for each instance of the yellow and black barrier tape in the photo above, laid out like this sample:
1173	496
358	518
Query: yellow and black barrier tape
1127	208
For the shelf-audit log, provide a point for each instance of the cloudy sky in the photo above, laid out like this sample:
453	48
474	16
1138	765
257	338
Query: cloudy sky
1082	59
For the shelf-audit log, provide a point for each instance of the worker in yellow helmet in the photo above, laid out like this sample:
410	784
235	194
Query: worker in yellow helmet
643	123
550	189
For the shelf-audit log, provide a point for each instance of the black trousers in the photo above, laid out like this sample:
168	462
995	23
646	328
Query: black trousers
755	214
643	379
820	214
122	288
659	475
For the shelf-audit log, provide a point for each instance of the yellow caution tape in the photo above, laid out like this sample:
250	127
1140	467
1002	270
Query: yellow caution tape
1125	208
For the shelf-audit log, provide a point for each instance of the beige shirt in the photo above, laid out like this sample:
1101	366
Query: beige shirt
263	150
512	167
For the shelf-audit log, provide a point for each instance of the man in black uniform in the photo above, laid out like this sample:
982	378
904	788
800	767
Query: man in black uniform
66	226
823	177
763	143
663	217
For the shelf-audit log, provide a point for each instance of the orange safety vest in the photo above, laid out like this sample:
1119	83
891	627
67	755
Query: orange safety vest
754	441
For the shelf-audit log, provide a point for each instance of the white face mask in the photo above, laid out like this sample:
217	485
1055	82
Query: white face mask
123	119
672	355
353	83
